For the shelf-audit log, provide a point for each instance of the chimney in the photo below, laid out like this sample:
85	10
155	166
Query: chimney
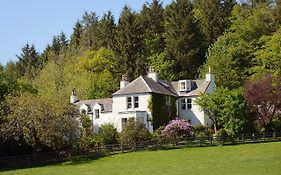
73	97
152	74
210	76
124	82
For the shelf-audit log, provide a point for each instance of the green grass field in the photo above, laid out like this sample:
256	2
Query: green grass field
241	159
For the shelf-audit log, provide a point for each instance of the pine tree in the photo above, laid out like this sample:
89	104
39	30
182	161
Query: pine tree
152	21
130	46
106	31
183	39
75	39
29	62
90	29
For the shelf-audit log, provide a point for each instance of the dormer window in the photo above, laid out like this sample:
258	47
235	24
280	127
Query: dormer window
184	85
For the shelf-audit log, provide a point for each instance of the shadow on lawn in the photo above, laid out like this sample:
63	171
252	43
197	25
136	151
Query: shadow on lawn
74	160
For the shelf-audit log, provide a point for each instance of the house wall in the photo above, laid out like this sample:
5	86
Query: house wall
120	110
194	114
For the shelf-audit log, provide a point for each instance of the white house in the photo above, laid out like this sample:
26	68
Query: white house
133	98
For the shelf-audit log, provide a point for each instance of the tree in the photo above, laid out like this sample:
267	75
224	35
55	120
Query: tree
29	62
130	46
75	39
263	94
90	30
230	59
39	122
213	17
152	21
268	58
107	31
227	109
134	132
183	39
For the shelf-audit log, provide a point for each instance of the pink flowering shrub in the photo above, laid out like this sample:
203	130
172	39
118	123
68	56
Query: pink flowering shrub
177	129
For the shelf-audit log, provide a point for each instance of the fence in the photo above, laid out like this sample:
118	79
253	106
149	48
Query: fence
36	159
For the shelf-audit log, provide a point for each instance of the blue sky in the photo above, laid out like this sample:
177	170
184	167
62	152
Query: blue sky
37	21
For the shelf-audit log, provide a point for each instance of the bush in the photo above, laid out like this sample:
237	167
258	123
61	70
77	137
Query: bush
202	131
134	132
178	129
108	134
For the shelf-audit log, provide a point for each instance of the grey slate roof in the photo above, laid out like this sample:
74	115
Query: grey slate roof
197	87
106	103
144	84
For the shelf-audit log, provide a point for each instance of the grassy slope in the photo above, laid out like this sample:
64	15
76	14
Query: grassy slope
243	159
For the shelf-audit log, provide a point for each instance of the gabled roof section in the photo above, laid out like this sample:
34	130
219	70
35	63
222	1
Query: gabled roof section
144	84
106	103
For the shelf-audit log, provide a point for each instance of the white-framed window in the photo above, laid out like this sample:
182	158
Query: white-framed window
136	102
183	85
186	103
183	104
97	113
129	102
189	103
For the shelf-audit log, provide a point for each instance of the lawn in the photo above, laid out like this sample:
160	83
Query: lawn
241	159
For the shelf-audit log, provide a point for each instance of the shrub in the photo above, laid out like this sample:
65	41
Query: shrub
178	129
202	131
108	134
134	132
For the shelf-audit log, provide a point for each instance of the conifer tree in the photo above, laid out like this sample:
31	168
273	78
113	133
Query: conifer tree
130	46
28	62
106	31
183	39
152	21
75	39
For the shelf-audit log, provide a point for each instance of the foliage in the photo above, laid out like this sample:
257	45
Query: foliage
39	122
162	108
183	39
263	94
109	134
178	129
202	131
134	132
226	108
213	17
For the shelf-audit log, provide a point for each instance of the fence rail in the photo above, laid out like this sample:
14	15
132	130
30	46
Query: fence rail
52	157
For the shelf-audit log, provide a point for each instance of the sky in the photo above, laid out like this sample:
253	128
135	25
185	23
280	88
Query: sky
37	21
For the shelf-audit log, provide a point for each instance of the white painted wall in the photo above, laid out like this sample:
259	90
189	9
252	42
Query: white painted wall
195	114
120	110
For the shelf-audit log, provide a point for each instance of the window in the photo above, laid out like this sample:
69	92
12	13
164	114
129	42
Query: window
182	86
136	100
97	113
183	104
129	102
83	111
124	121
189	103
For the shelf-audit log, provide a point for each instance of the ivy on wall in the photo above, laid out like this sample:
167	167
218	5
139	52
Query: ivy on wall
163	109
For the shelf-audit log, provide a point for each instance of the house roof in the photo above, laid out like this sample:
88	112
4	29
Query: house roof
197	87
144	84
106	103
